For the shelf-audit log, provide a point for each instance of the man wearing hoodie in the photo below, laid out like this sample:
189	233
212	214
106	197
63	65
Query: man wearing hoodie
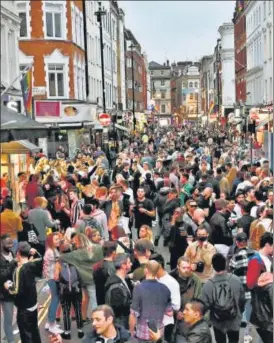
117	292
100	218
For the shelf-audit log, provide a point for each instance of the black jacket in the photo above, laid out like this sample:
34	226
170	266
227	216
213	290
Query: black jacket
122	336
220	232
199	333
6	273
262	307
25	284
245	222
101	272
118	296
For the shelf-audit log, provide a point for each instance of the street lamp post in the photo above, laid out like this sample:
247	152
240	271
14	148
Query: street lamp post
99	15
132	46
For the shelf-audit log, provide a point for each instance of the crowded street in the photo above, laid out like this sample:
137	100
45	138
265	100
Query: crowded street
136	180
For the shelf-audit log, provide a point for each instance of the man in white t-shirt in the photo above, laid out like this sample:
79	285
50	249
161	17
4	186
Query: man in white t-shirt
174	287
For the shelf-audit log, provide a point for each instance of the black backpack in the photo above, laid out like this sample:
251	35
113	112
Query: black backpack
224	306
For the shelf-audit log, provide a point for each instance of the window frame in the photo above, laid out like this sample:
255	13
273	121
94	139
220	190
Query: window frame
56	72
24	7
56	8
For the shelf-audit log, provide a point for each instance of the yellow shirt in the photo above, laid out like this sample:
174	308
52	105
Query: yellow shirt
10	223
114	215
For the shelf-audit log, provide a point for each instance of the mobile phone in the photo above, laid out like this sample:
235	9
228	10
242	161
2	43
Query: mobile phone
152	325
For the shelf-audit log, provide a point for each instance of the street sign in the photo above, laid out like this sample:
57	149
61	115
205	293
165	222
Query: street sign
104	119
38	91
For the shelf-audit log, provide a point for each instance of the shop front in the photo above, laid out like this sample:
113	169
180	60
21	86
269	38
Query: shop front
15	158
71	124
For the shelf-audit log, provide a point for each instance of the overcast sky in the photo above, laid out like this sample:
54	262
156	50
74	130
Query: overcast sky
177	30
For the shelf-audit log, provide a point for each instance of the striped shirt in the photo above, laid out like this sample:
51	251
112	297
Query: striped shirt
75	211
239	264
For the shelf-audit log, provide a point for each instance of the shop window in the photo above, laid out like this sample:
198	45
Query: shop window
56	80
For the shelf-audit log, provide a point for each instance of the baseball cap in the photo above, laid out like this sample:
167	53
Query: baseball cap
241	237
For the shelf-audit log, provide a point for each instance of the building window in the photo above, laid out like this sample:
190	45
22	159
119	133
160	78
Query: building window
54	20
151	73
162	82
129	62
129	84
23	24
190	85
162	72
163	95
163	108
264	9
56	80
271	89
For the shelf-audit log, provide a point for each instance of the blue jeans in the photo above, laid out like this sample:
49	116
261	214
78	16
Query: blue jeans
246	317
92	303
54	300
7	308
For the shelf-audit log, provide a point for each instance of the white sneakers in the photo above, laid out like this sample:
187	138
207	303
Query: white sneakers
247	339
53	328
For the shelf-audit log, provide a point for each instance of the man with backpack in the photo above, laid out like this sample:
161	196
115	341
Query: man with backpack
224	297
88	220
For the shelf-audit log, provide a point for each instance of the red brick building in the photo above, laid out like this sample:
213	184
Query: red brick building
52	39
239	21
140	95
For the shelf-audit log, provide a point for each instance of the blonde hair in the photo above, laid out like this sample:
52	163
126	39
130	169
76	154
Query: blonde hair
149	235
84	243
40	202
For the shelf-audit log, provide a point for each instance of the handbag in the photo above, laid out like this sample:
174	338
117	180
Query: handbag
32	235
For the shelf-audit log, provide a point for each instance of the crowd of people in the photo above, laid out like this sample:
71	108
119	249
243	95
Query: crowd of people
168	238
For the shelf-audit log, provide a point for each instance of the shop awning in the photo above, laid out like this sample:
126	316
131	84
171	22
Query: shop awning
18	147
16	127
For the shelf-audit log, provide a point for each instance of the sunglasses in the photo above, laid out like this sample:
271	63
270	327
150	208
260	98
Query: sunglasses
193	206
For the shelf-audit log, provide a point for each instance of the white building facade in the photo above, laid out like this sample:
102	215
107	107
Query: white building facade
10	31
227	61
109	22
121	63
254	52
267	32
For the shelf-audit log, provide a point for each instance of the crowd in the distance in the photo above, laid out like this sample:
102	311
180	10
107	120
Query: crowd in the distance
168	238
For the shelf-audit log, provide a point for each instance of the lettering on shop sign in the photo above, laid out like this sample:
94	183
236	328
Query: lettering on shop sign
13	105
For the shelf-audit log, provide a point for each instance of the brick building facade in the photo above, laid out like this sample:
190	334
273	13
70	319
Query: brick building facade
239	21
52	39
